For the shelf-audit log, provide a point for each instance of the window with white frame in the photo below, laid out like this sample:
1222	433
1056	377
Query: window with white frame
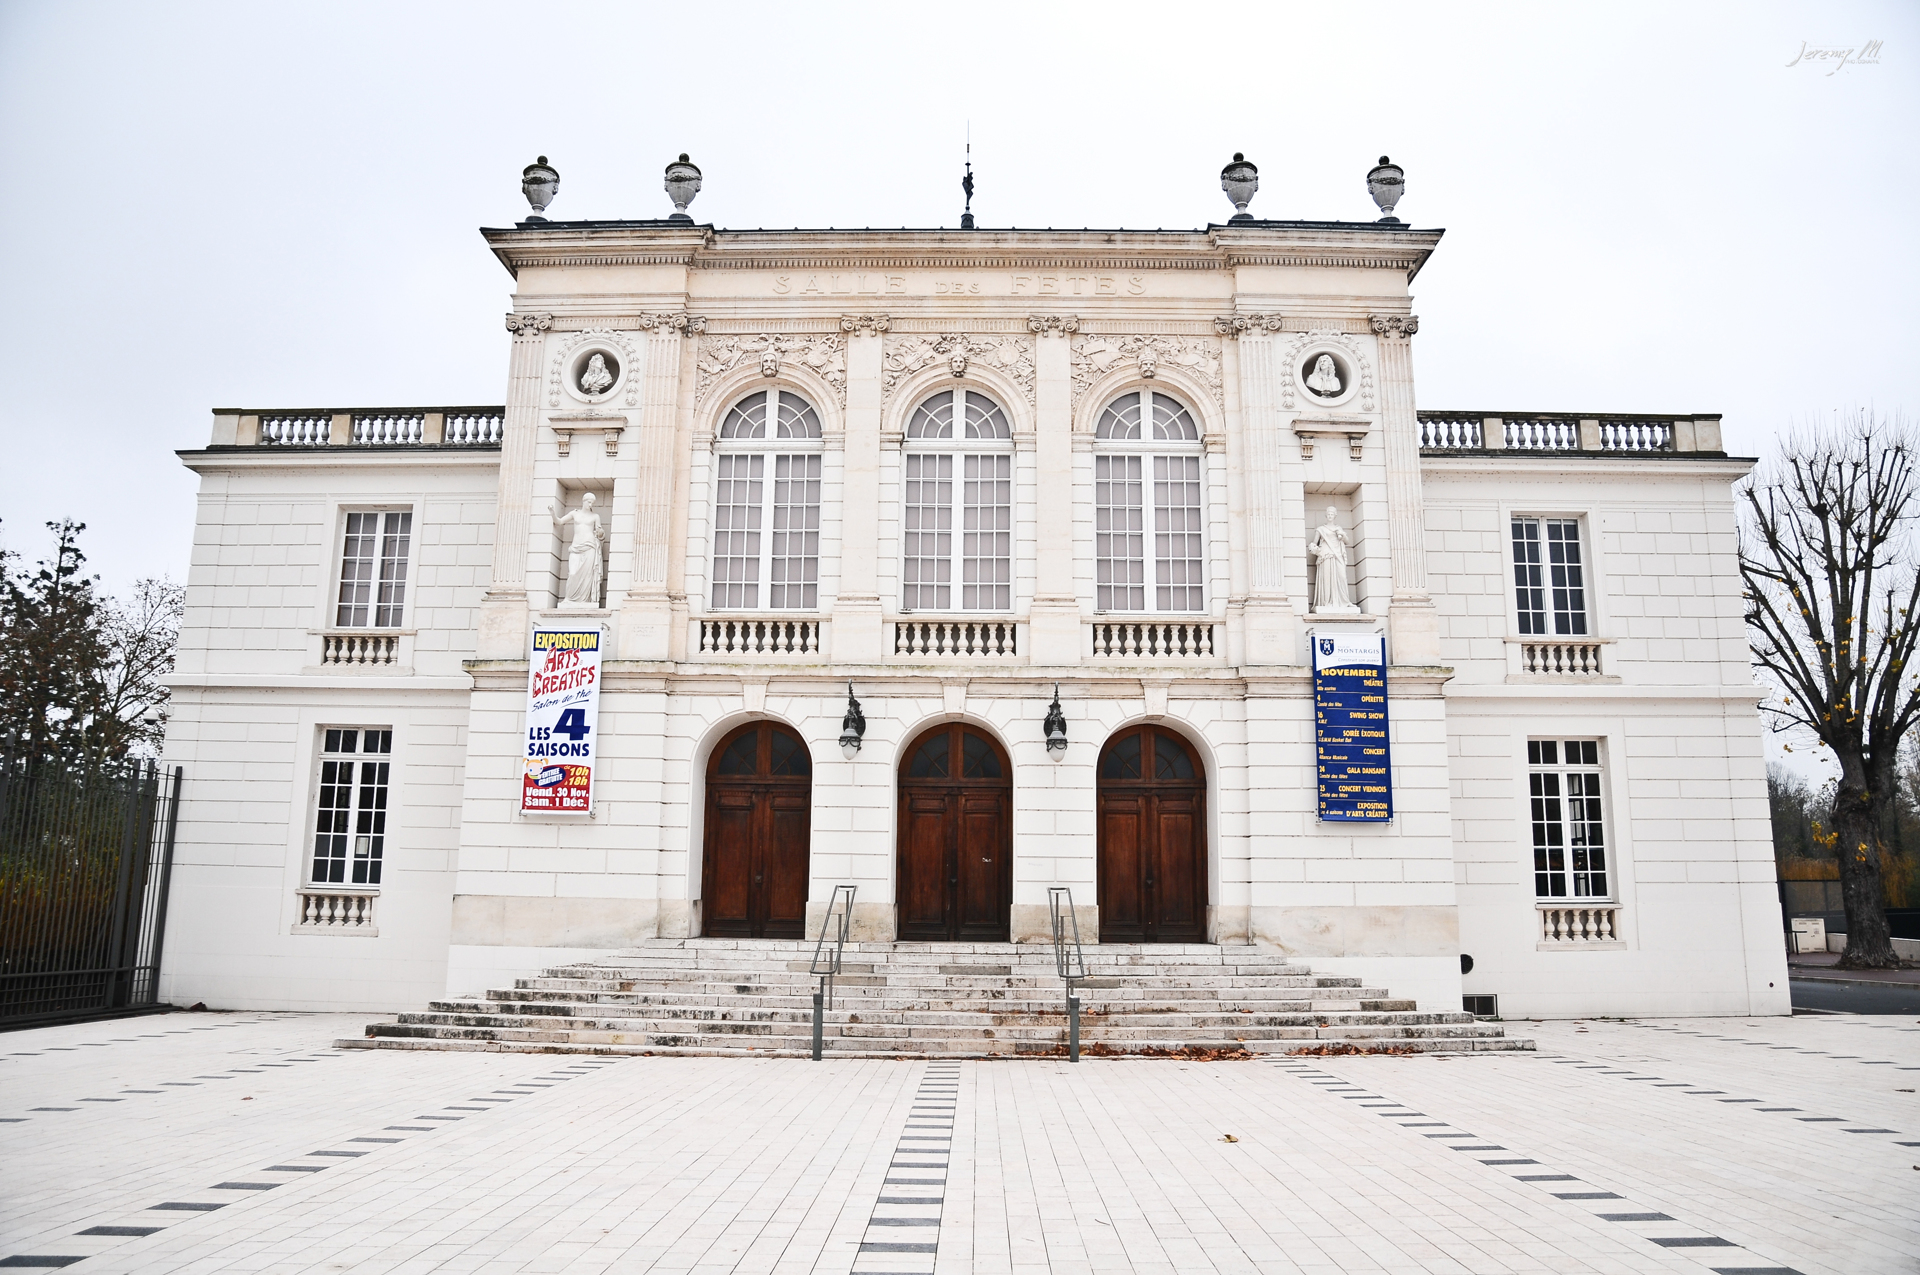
1569	830
373	569
1549	578
1149	535
350	816
957	505
766	514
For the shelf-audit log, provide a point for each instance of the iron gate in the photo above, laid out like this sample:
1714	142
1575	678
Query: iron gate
84	860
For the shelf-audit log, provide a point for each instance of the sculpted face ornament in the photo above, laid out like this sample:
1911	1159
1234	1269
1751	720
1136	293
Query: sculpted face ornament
1149	363
596	379
957	364
770	363
1325	380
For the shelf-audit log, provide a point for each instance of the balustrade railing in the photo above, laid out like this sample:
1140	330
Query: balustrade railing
1568	432
336	910
960	638
1589	925
1562	658
1152	639
370	427
360	648
758	636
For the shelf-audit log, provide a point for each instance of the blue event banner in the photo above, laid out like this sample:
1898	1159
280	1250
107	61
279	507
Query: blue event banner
1350	727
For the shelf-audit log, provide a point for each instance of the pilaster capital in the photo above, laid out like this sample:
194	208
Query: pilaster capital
1236	325
529	325
872	324
683	324
1394	325
1053	324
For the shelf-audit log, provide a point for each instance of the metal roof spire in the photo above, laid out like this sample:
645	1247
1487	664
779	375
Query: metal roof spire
966	183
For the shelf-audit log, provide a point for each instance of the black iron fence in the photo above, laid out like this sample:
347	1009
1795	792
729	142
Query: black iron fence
85	856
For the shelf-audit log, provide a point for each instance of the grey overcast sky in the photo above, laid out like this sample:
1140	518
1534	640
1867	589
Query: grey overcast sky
274	205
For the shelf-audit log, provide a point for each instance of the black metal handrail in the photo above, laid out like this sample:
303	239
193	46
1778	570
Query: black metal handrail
826	962
1069	958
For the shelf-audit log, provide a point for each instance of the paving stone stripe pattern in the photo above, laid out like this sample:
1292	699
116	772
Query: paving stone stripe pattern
1454	1164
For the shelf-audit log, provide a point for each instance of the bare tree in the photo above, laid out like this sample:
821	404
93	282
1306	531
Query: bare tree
1833	606
141	633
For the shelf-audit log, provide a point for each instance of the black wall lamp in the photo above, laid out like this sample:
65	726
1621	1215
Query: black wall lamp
1056	728
853	727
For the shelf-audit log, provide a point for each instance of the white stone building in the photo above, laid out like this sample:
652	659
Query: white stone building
954	470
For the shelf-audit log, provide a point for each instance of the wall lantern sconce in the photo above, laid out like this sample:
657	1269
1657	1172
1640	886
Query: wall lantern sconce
852	727
1056	728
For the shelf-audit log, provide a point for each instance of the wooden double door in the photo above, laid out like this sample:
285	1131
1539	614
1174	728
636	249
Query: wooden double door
1152	839
955	837
759	821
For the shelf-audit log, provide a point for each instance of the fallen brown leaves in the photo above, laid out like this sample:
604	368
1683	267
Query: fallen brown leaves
1342	1047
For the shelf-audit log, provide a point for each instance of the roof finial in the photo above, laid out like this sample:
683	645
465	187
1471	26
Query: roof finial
966	183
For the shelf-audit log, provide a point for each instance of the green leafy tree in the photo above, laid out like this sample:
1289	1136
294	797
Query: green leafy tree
1826	551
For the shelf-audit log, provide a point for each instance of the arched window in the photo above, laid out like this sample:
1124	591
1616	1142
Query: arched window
957	505
766	508
1149	537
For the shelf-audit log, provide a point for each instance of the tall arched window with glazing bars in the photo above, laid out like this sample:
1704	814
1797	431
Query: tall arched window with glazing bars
1149	519
766	509
957	505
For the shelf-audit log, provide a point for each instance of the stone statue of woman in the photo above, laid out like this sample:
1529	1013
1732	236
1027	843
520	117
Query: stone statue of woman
583	554
596	378
1325	380
1329	552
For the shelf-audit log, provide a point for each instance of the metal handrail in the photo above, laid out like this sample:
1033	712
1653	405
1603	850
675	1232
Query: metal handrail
1069	958
826	964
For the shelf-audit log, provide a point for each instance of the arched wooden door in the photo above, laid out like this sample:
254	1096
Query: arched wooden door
1153	839
759	818
955	837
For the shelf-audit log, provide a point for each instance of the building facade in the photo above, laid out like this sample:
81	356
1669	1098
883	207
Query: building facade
962	476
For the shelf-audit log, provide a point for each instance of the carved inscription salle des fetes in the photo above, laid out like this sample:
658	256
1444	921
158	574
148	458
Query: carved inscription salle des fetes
1046	283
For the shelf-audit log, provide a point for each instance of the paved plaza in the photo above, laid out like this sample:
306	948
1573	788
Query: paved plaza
244	1142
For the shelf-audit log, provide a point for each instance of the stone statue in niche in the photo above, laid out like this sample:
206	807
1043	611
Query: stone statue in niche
1325	380
1331	594
596	379
583	555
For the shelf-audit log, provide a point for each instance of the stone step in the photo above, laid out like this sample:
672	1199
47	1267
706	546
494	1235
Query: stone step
849	1050
454	1013
734	992
842	1006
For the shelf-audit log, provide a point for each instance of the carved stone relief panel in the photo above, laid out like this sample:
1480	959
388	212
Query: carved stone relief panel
823	353
1198	356
905	354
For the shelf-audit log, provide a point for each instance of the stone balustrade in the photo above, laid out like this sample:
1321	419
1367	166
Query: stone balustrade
1567	433
741	636
1153	639
1559	657
359	646
920	638
362	427
333	909
1588	925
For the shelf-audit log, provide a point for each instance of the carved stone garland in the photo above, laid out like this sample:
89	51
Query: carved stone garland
557	366
1095	356
902	356
823	353
1290	361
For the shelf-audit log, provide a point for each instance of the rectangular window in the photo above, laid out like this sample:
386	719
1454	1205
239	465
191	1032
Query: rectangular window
1177	534
928	528
1569	835
373	570
736	532
350	822
986	539
1119	534
1549	581
795	563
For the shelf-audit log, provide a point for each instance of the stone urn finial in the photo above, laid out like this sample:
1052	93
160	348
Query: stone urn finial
1240	180
539	182
1387	182
683	183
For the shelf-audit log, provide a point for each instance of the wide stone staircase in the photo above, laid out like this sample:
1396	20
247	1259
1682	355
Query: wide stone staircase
720	996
